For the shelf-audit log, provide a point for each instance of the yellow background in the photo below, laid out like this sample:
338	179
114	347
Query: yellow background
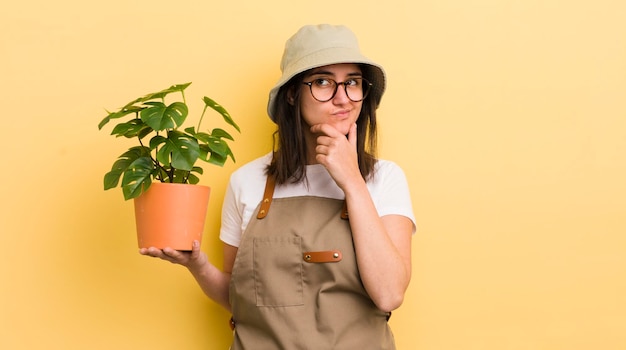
508	117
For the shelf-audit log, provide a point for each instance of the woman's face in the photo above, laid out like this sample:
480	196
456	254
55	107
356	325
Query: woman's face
339	112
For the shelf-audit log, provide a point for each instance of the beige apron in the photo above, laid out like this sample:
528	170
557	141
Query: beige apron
295	283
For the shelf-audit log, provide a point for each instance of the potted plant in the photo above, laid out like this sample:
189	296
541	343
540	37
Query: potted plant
160	173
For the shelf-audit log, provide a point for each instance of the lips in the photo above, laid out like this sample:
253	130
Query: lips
342	113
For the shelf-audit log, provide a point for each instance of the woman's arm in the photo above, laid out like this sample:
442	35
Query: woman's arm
383	249
382	244
214	283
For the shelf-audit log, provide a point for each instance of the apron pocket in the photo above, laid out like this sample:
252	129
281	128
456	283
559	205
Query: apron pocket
278	271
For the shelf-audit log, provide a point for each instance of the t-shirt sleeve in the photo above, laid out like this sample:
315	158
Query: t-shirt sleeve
392	195
230	230
243	194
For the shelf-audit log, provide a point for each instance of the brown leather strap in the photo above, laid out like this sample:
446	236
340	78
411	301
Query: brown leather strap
323	256
267	197
344	211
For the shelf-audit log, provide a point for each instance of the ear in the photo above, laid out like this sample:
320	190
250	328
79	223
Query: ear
291	96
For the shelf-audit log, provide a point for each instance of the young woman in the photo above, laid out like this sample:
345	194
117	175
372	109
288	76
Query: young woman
317	234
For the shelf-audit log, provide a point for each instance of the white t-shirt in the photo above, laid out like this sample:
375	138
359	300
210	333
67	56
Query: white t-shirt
388	188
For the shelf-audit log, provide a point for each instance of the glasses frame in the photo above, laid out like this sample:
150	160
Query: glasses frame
366	83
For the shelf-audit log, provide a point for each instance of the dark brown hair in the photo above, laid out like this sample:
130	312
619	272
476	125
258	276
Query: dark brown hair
290	153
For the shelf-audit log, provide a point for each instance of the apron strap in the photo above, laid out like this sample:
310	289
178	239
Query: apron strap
268	195
344	211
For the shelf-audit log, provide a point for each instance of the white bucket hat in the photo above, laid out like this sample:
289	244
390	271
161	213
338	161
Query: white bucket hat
321	45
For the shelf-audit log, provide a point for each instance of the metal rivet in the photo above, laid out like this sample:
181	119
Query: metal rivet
266	200
307	257
262	212
336	255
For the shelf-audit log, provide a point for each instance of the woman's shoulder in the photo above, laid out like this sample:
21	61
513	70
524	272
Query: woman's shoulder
386	163
248	182
386	168
255	168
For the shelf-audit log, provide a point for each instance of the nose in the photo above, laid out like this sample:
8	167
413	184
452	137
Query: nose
341	96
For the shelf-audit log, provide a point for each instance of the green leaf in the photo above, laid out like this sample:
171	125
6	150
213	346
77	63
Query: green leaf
218	108
132	107
161	94
163	154
213	157
193	179
180	176
144	132
220	133
137	177
121	113
179	149
218	146
156	141
217	159
160	117
111	179
203	137
131	128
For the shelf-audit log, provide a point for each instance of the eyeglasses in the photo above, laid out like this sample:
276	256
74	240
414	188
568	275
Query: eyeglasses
324	89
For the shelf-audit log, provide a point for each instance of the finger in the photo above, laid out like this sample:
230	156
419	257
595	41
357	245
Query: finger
321	149
316	129
171	253
151	251
175	256
156	252
325	129
195	249
324	140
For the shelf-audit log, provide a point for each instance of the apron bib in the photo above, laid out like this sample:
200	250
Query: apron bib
295	282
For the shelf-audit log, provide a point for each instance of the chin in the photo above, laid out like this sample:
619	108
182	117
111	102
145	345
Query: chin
343	126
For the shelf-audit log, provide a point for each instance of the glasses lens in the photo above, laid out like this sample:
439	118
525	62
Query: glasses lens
325	89
356	89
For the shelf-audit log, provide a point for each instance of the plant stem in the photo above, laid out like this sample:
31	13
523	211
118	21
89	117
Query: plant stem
201	117
156	163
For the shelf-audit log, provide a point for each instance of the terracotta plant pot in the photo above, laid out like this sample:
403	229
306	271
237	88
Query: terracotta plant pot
171	215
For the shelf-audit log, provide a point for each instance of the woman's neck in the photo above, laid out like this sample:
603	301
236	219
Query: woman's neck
311	144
